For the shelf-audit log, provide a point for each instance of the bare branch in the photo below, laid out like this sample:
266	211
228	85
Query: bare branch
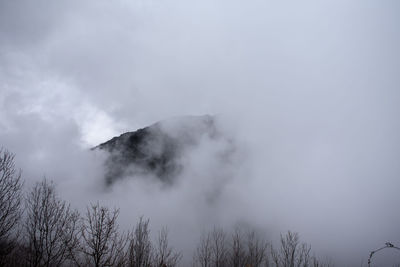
203	253
139	249
164	254
51	227
10	202
102	245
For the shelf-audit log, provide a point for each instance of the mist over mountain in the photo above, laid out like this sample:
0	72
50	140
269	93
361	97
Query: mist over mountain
307	133
159	150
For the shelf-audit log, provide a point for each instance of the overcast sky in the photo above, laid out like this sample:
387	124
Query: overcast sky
310	90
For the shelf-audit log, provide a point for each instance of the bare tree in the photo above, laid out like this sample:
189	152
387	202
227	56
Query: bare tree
212	250
303	255
164	255
219	247
10	203
102	244
139	248
237	255
203	254
291	252
256	250
51	227
247	250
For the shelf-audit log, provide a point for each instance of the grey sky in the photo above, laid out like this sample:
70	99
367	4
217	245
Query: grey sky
309	89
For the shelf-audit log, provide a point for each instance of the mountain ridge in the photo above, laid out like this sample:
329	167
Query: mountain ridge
157	149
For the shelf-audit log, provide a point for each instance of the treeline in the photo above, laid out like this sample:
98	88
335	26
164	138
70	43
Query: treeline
40	229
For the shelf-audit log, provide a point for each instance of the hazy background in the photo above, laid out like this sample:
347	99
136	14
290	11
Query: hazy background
309	90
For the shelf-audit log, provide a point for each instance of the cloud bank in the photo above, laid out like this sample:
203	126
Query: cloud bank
308	90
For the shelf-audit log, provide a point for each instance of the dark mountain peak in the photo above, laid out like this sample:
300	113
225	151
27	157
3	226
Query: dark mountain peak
157	149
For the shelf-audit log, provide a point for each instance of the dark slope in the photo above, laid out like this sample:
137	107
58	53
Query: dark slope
157	149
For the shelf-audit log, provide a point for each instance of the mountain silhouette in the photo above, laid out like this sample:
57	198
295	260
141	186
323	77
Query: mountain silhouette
156	150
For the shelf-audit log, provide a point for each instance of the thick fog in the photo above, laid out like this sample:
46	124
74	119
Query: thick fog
308	91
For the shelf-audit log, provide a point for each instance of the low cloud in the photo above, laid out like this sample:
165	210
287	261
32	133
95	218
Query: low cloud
307	91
